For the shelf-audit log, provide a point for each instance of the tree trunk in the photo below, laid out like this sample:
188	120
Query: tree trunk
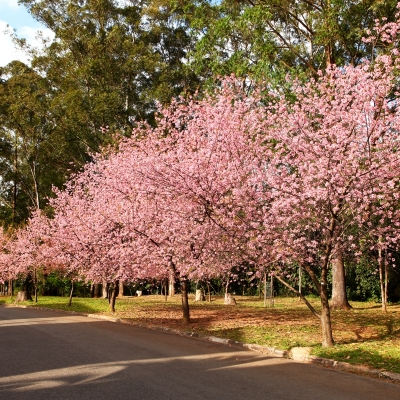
326	325
265	289
209	292
300	281
271	299
121	289
383	280
70	294
35	285
171	281
15	186
339	295
105	290
229	299
386	285
114	294
91	290
164	285
97	290
322	286
27	288
185	301
35	196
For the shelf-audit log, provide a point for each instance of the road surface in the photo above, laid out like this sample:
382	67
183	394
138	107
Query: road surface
53	355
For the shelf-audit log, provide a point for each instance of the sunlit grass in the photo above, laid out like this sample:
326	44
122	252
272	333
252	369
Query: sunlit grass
380	354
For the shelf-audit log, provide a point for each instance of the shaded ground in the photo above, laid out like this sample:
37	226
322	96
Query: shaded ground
363	335
48	354
287	317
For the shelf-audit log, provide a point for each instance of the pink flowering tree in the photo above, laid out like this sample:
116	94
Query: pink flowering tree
380	227
5	262
27	252
333	155
201	157
178	200
108	226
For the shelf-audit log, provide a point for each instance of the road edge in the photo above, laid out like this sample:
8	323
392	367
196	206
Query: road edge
298	354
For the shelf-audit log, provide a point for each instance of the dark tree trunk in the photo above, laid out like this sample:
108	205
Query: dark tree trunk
27	288
339	295
114	294
185	301
164	286
326	325
265	289
70	294
173	277
97	290
322	287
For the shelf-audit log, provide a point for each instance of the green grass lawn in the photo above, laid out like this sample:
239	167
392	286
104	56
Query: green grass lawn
363	335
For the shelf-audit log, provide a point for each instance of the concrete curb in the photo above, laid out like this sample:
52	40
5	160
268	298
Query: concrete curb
298	354
293	355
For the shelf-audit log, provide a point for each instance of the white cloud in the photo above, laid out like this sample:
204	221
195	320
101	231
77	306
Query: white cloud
8	50
9	3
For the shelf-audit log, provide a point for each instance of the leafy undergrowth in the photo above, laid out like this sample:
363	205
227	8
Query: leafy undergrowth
363	335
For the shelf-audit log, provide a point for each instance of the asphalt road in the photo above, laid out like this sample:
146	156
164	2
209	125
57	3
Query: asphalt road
51	355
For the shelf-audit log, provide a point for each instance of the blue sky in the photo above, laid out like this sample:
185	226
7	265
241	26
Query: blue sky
18	18
16	15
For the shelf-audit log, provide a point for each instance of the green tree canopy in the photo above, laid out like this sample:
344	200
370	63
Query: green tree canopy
267	38
107	67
